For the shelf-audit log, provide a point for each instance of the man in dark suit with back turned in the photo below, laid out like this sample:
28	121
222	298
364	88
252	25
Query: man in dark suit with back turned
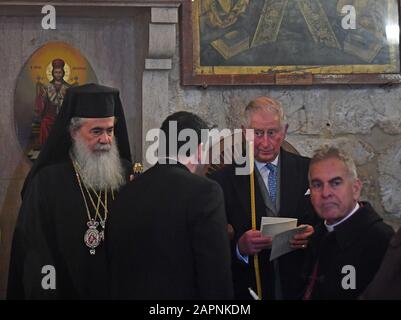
168	238
281	185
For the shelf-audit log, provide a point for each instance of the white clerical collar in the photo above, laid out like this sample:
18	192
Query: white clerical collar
260	165
330	227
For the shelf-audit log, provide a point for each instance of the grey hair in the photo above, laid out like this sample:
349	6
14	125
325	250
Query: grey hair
329	151
266	103
76	123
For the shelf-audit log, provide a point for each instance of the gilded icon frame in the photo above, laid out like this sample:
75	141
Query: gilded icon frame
210	43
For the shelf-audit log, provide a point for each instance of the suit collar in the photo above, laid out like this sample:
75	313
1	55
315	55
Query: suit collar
260	165
172	164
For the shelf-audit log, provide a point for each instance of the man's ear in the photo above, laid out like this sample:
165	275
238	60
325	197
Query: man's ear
356	188
285	129
73	134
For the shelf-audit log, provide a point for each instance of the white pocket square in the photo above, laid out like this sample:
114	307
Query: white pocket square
307	192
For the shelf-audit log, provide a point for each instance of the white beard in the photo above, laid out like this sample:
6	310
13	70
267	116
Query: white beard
99	170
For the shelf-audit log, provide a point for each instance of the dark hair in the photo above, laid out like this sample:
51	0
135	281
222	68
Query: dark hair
328	151
183	120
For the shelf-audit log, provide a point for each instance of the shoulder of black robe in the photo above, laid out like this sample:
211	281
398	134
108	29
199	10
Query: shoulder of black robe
30	247
57	145
49	232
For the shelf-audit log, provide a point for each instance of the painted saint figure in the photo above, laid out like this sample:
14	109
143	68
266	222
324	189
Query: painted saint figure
50	98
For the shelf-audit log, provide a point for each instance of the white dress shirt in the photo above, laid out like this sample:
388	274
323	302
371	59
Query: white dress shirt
264	171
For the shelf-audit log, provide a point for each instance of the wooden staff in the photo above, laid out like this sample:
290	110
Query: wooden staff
253	213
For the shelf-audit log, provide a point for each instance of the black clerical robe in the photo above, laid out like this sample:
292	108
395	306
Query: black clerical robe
50	232
352	253
386	283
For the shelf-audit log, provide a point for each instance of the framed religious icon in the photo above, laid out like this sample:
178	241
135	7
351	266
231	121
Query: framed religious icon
284	42
40	90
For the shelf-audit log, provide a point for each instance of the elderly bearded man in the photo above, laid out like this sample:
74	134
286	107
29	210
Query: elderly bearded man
58	250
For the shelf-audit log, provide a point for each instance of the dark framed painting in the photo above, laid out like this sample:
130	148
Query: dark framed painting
285	42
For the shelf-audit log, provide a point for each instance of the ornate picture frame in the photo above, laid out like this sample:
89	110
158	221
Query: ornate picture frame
282	42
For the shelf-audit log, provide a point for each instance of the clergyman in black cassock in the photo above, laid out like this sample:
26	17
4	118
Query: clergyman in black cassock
51	257
347	248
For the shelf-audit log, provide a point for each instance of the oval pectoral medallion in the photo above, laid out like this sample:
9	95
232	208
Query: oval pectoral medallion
92	236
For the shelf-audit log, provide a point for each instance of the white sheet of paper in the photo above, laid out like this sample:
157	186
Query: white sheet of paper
281	242
271	226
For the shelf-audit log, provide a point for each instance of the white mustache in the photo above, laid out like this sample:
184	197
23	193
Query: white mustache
102	147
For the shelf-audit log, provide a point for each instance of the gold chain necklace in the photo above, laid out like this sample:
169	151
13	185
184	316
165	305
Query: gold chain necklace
93	236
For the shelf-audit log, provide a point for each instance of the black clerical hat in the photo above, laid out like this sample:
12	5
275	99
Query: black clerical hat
86	101
93	101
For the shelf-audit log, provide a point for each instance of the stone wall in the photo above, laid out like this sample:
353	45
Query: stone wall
115	47
365	120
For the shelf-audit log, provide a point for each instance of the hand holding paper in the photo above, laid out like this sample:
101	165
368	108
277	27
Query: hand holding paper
252	242
286	235
300	240
281	242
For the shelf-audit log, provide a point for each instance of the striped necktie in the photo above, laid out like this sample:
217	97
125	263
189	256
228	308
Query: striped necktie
272	182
